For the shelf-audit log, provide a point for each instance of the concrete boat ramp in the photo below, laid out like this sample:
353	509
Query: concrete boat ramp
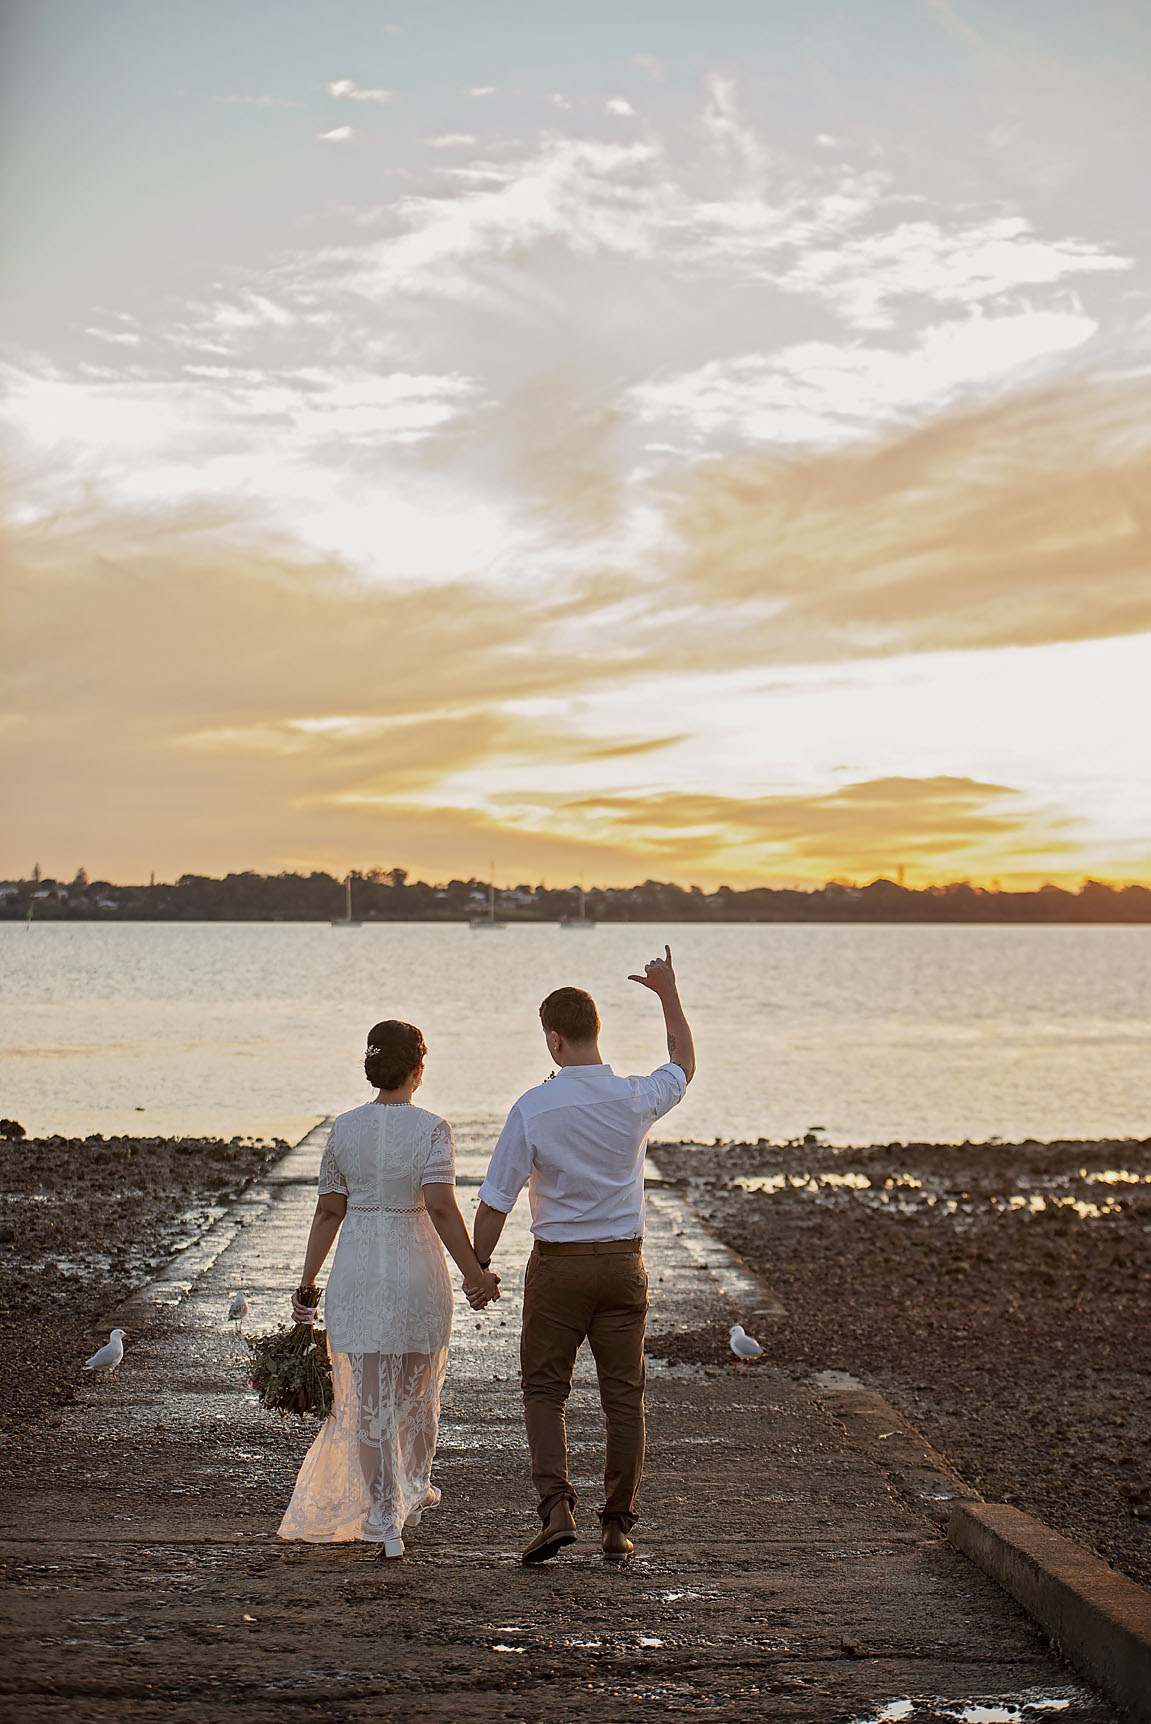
786	1567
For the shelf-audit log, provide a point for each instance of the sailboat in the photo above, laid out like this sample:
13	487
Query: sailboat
347	920
582	920
479	923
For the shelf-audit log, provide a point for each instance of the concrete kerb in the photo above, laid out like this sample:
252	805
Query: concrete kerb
872	1425
1100	1619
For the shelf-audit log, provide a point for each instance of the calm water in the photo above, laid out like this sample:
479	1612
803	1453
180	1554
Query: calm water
872	1033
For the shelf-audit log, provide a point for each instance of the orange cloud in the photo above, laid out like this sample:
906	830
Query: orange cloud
937	827
1023	522
180	701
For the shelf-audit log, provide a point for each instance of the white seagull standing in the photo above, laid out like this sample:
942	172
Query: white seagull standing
238	1309
744	1348
110	1355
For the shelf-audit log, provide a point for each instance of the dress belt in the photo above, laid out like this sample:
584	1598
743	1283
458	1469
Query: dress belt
584	1247
383	1209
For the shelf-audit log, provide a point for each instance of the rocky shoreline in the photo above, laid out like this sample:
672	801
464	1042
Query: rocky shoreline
998	1294
85	1221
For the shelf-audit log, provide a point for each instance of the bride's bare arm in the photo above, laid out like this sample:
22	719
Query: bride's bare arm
479	1284
330	1211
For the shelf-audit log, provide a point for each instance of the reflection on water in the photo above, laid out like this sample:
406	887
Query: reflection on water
883	1034
1057	1193
1018	1709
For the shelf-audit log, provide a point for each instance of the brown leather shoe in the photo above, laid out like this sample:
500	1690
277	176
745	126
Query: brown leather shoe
617	1546
559	1529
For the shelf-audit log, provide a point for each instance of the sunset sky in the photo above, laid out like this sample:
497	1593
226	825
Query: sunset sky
709	441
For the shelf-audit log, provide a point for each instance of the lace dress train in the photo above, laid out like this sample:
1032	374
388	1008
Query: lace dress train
388	1310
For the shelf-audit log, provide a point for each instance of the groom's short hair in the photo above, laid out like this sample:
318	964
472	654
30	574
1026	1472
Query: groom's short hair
570	1013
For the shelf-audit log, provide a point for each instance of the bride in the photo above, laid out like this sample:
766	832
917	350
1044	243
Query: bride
387	1187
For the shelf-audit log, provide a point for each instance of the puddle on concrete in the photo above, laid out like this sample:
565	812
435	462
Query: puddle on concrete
1020	1709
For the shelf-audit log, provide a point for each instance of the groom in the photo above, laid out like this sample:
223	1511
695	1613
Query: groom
578	1144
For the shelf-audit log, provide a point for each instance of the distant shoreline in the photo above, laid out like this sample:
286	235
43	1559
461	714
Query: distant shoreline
512	920
389	896
607	922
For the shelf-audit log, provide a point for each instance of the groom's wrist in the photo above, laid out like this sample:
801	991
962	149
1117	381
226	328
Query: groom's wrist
484	1262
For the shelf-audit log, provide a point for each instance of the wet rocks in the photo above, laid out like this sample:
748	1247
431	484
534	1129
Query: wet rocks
82	1222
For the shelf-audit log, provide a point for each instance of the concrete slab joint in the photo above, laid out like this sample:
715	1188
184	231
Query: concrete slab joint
1100	1619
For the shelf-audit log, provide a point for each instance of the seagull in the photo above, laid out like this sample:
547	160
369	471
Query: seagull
744	1348
109	1356
238	1309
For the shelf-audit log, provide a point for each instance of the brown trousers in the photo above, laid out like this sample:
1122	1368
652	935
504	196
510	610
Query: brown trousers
600	1298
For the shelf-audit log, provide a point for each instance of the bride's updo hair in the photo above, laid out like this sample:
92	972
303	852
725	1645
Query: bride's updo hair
395	1049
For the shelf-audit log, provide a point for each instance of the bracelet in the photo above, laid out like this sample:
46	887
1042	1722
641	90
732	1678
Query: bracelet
486	1264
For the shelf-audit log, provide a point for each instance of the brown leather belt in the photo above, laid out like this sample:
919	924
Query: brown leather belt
584	1247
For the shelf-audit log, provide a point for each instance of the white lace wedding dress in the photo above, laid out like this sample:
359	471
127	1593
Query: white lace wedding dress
388	1314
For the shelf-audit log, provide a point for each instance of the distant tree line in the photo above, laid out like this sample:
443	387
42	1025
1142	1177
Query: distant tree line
387	895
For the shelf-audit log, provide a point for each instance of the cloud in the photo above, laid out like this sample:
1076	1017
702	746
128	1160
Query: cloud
250	711
944	824
589	420
482	90
338	135
823	393
260	101
864	274
830	241
731	138
583	196
118	337
1017	523
619	107
345	90
280	451
243	707
454	140
652	65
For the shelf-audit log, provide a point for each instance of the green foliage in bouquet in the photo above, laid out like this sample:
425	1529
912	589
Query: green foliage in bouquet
290	1369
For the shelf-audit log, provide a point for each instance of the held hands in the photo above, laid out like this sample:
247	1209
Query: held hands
481	1293
659	976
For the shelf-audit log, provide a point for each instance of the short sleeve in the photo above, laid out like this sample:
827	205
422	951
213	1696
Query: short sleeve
440	1167
510	1167
331	1180
660	1092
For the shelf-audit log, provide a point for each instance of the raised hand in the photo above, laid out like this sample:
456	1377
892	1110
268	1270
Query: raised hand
658	975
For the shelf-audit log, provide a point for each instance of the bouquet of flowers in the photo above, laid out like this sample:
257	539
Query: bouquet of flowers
290	1368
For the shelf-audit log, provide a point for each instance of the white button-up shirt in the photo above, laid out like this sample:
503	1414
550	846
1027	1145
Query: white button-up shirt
577	1142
